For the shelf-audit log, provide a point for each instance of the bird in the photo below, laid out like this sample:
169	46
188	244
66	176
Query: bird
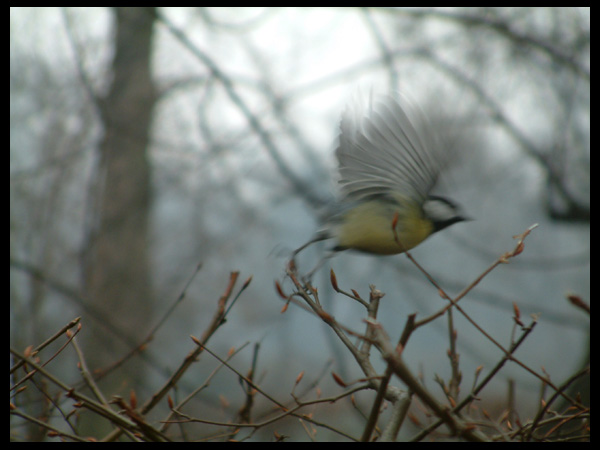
388	164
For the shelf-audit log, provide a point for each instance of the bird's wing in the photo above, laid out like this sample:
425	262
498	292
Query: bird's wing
380	151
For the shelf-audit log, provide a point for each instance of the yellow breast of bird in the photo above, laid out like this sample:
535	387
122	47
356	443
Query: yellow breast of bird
368	227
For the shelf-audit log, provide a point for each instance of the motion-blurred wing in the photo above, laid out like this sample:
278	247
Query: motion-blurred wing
380	151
